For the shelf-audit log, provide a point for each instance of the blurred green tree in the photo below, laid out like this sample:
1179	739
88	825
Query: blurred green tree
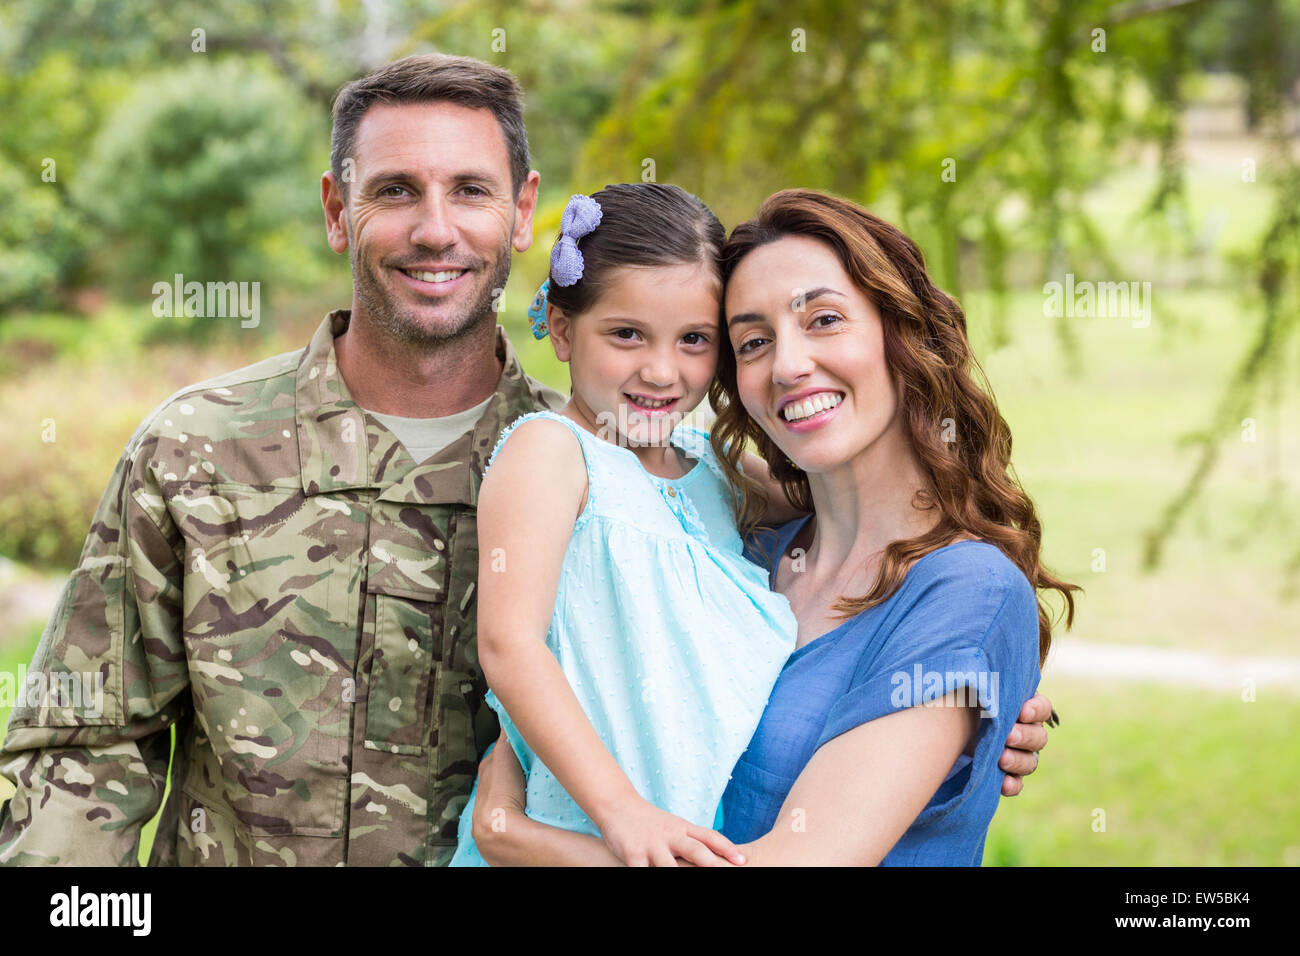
200	171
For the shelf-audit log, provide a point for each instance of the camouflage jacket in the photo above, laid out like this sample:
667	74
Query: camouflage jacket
271	575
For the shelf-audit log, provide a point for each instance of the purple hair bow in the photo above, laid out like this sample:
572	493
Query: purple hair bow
581	215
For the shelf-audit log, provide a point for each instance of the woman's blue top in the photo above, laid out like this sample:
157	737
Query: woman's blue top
964	616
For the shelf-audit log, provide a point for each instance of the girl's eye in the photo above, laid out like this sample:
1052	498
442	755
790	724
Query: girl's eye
619	333
699	337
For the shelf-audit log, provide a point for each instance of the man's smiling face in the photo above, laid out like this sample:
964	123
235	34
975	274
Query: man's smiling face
430	218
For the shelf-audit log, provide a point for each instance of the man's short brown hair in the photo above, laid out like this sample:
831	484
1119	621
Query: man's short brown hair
433	78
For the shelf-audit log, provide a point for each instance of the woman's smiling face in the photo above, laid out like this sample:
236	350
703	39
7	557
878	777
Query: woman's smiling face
810	353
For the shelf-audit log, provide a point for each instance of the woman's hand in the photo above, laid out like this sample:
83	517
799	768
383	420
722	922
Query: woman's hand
1020	758
640	834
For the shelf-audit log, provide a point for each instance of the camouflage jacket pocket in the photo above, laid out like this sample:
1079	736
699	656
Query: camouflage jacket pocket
397	707
406	578
76	676
273	718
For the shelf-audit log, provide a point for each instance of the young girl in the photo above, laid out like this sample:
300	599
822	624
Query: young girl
629	644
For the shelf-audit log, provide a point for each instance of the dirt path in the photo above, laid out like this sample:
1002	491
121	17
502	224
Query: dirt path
1137	662
25	598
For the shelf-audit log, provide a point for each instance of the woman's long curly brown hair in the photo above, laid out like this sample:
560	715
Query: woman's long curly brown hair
969	475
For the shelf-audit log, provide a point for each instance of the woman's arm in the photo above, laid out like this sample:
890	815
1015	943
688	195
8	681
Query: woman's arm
528	504
778	510
861	790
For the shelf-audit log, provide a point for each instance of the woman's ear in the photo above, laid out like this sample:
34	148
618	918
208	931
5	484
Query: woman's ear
561	329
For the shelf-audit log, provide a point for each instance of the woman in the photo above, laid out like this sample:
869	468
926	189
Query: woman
913	581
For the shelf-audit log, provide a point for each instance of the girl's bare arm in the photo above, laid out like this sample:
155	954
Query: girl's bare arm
528	504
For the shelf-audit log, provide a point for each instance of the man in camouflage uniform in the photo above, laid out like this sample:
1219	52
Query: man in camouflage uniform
271	574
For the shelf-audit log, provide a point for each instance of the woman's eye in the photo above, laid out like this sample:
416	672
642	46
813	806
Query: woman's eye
826	315
749	345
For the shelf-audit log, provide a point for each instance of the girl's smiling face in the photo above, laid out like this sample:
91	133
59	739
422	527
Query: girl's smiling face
810	354
645	353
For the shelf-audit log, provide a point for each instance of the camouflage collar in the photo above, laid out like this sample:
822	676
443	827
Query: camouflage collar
340	447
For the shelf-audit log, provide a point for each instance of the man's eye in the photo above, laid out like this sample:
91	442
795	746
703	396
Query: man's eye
389	190
474	191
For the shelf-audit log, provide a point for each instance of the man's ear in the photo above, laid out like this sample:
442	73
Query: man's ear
336	222
525	206
561	328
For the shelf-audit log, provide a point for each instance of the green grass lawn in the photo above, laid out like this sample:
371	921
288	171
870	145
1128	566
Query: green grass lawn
1183	778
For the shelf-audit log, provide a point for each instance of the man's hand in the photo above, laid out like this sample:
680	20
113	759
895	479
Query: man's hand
502	792
1020	758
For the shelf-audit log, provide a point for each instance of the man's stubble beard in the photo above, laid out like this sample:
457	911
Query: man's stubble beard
403	326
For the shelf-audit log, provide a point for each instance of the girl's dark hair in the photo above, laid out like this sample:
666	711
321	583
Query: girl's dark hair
641	224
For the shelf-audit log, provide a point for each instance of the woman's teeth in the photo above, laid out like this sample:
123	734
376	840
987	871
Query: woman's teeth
444	276
810	406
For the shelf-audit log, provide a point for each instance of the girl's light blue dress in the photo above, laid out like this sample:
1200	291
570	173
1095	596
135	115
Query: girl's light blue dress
669	636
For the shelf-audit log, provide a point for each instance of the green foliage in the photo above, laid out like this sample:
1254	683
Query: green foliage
1170	769
51	487
203	171
49	114
40	238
